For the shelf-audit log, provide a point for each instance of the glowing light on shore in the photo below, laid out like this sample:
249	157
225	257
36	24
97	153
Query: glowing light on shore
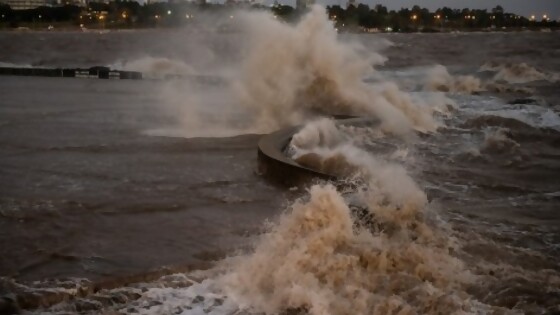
414	17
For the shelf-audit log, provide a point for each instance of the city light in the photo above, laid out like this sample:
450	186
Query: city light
467	18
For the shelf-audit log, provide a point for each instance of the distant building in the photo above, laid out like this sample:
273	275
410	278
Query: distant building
80	3
26	4
32	4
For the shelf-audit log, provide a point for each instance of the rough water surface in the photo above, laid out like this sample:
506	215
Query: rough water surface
143	197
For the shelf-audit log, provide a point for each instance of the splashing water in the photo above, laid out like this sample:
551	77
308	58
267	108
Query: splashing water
317	260
324	257
155	68
439	79
378	248
291	73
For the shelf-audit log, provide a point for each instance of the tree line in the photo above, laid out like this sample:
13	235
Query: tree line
418	19
355	17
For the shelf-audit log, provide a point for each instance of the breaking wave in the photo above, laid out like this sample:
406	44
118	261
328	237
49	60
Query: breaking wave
317	260
376	250
439	79
517	73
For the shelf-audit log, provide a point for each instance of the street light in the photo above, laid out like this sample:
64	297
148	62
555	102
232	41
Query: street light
102	20
414	17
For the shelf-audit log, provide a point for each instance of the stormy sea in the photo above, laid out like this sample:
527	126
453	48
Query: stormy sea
145	196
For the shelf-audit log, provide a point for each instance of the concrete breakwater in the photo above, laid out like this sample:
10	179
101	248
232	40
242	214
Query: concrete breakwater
93	72
276	165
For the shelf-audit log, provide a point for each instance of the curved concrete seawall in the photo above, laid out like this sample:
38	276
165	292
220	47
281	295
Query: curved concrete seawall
274	164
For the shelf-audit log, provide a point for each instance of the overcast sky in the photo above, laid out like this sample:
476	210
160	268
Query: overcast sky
521	7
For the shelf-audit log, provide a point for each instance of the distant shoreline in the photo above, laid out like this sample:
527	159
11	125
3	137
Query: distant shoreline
77	29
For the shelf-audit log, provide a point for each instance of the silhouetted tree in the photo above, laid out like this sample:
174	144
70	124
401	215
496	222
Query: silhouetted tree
498	10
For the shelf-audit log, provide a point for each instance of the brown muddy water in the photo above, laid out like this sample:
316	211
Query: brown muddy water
103	179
